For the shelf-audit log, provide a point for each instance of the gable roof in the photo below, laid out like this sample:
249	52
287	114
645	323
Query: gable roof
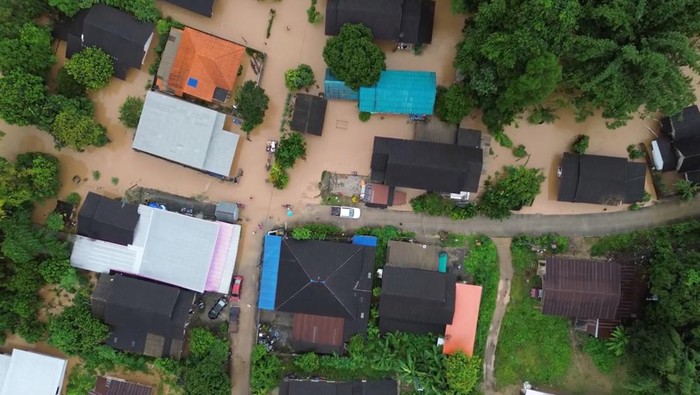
115	32
418	301
144	317
182	132
201	7
408	21
114	386
600	179
683	125
107	219
317	333
318	387
26	372
581	288
400	92
688	154
309	114
204	66
424	165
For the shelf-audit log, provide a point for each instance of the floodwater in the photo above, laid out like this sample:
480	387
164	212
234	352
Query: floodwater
345	146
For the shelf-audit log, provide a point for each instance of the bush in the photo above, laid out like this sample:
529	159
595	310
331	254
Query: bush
365	116
54	222
266	370
602	357
292	146
687	189
67	86
130	111
519	151
252	103
301	77
436	205
307	363
540	115
279	176
512	188
453	104
73	198
634	152
312	15
301	234
91	67
580	145
315	231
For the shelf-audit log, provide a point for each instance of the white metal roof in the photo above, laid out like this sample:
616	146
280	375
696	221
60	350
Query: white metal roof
32	373
185	133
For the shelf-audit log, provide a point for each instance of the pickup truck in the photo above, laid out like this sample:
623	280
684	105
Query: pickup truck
233	319
345	212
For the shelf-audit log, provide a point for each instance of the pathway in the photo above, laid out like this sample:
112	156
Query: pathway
502	299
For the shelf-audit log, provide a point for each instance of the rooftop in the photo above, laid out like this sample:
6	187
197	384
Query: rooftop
26	372
400	92
460	335
412	255
318	387
201	7
107	219
182	132
684	125
115	386
309	114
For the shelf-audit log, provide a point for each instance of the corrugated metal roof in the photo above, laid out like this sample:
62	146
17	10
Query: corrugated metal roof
412	255
400	92
270	271
33	373
335	89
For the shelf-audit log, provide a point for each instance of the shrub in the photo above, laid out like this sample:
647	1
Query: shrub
73	198
265	369
252	103
292	146
314	231
312	15
96	175
603	358
301	234
67	86
580	145
503	140
453	104
540	115
279	176
307	363
512	188
54	222
634	152
115	180
130	111
91	67
365	116
687	189
519	151
301	77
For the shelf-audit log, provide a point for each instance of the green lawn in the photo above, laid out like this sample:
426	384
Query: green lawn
531	346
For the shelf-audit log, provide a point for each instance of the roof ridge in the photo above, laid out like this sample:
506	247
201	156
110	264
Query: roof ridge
296	260
334	272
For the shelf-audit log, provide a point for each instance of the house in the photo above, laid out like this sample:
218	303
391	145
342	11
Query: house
201	7
199	65
115	32
25	372
185	133
597	294
600	180
335	89
143	317
404	21
107	219
678	148
309	114
412	255
319	387
423	165
168	247
115	386
400	92
326	285
417	301
682	126
460	335
381	196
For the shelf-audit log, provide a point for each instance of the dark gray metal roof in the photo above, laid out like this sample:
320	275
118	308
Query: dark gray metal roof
201	7
684	125
318	387
309	114
107	219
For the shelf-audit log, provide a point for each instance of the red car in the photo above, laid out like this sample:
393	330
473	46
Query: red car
236	289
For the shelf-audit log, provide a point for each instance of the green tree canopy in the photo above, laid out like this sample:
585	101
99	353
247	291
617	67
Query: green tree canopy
76	331
252	102
67	86
76	130
71	7
15	13
143	10
55	104
353	57
21	98
301	77
42	174
453	104
510	189
292	146
91	67
462	372
31	51
130	111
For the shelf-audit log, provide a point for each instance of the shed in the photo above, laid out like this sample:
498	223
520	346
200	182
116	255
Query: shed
226	212
115	386
460	335
309	114
400	92
335	89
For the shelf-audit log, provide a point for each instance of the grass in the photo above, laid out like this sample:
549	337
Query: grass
602	357
532	347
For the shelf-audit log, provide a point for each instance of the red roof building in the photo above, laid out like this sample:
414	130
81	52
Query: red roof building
461	334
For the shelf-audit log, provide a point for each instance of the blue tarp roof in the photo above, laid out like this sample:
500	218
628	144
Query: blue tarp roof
335	89
270	270
400	92
360	240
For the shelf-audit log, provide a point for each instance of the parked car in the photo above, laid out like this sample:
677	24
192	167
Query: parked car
236	289
345	212
233	318
218	308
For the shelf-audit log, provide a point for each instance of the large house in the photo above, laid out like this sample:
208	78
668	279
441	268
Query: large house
325	285
169	247
600	180
400	92
319	387
201	7
444	168
25	372
199	65
143	317
678	147
185	133
596	294
403	21
117	33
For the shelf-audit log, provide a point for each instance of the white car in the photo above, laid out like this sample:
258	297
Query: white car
345	212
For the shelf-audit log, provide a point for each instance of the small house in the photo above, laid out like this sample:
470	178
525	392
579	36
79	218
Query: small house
400	92
309	114
115	386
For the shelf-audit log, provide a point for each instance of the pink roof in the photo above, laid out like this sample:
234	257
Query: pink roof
218	260
460	335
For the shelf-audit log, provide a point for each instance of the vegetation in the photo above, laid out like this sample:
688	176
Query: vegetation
91	67
76	130
206	368
315	231
510	189
143	10
462	373
603	358
580	145
313	16
54	222
30	52
540	115
67	86
73	198
266	371
40	172
383	235
71	7
519	355
365	116
270	19
453	104
279	176
436	205
519	151
21	96
130	112
252	102
687	189
299	78
292	146
96	175
634	152
353	56
482	264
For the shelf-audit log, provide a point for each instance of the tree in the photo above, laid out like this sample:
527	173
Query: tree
279	176
687	189
265	369
41	173
353	57
510	189
130	111
67	86
453	104
31	52
21	97
292	146
462	372
77	130
580	145
76	331
55	104
91	67
301	77
15	13
143	10
71	7
251	102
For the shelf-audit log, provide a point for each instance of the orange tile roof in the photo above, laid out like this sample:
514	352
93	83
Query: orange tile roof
212	61
460	335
